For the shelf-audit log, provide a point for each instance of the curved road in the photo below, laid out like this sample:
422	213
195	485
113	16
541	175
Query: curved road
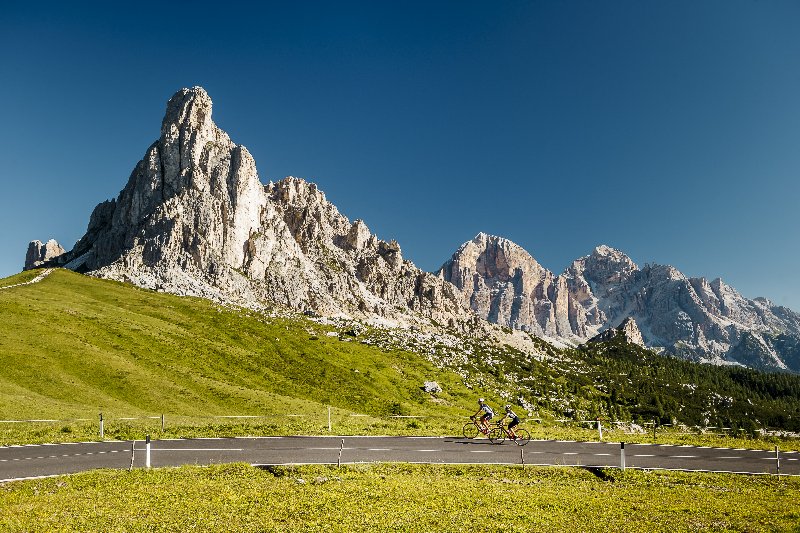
19	462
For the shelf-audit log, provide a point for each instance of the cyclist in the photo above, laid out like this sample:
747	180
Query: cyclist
514	421
486	416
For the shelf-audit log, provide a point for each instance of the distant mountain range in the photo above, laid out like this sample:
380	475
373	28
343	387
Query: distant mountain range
194	219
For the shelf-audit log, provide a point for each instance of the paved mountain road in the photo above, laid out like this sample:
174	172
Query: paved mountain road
52	459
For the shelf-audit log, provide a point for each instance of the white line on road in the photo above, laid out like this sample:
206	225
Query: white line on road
645	455
193	449
427	451
683	456
480	451
601	454
379	449
729	457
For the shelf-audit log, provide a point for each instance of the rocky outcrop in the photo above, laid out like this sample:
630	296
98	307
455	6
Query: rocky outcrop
691	317
194	219
503	284
628	330
41	253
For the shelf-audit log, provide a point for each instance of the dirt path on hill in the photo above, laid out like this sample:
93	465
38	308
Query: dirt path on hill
46	272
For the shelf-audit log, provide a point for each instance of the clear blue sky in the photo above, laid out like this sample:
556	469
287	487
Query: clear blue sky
669	130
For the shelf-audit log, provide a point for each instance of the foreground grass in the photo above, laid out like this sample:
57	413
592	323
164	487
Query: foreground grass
399	498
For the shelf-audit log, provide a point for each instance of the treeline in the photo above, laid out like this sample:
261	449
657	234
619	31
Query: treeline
634	383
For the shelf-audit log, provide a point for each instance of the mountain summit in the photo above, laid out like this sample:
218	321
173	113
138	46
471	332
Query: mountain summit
692	317
194	219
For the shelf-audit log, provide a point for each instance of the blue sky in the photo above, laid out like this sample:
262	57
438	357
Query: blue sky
668	130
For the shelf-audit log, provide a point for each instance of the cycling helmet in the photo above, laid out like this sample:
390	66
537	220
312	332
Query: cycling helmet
480	400
508	407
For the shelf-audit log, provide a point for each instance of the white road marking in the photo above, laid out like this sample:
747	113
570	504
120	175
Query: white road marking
683	456
601	454
645	455
478	451
570	453
194	449
427	451
379	449
729	457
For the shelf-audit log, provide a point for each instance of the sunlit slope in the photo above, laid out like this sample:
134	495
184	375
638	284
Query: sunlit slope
72	344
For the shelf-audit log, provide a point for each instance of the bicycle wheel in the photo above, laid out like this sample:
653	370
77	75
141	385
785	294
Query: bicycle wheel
523	437
497	435
470	430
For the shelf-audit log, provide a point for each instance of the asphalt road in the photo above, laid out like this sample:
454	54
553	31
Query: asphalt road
19	462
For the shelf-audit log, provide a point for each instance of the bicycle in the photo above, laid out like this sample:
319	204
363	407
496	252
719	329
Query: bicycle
499	433
473	428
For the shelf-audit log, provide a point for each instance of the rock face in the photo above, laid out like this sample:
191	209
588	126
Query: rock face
687	316
502	283
39	254
194	219
628	329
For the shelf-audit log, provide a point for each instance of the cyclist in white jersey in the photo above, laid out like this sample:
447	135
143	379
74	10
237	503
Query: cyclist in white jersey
486	416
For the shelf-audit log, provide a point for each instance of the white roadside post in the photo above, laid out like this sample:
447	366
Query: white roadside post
622	456
329	419
147	452
600	429
777	461
101	425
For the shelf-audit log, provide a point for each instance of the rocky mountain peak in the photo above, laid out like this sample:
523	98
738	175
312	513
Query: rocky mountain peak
503	283
188	108
608	265
40	253
195	219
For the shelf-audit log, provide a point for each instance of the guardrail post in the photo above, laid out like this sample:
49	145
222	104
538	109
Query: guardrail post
622	456
777	461
101	425
147	452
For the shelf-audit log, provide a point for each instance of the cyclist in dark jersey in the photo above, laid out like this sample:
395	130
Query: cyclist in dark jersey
514	421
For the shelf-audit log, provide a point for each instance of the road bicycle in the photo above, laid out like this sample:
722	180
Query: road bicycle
500	433
473	428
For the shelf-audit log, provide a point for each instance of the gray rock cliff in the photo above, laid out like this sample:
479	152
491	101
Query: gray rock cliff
692	317
40	253
195	219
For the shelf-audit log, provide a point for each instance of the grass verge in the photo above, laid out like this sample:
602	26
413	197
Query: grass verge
399	497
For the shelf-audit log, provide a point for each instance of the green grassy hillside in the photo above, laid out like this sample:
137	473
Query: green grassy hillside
72	346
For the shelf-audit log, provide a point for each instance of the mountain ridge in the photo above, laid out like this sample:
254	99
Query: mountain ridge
195	219
692	317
